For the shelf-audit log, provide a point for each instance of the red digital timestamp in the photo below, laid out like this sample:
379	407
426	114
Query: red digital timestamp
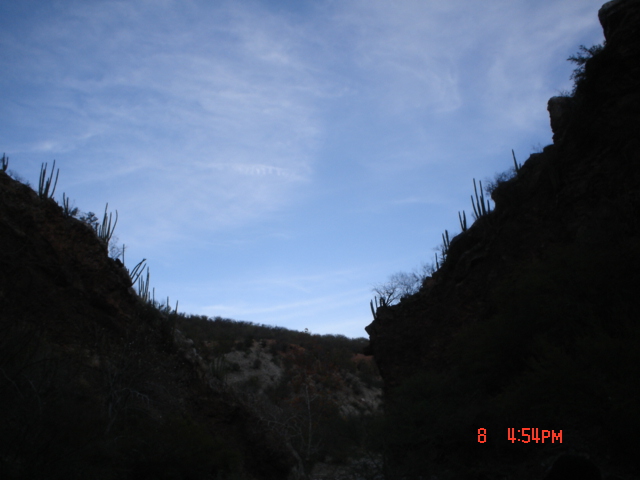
528	435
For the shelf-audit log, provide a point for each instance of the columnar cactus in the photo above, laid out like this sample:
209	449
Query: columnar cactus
479	208
515	164
463	221
43	186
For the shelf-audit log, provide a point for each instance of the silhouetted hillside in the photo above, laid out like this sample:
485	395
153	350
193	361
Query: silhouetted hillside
93	383
532	319
100	381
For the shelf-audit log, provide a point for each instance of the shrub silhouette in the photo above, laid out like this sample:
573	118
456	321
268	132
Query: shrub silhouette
584	55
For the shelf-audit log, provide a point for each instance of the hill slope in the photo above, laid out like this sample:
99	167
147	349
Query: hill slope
93	383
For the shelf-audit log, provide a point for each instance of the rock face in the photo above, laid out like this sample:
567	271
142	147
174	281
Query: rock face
559	114
619	19
578	199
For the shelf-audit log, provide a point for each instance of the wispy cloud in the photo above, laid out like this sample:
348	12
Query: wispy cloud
217	101
440	57
230	132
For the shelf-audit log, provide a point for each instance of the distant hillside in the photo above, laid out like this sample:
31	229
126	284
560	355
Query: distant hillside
532	318
100	381
319	392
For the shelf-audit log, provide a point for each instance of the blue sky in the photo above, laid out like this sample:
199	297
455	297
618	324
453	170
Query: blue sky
274	160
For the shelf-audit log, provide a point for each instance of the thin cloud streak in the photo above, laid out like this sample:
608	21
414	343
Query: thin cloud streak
299	312
195	106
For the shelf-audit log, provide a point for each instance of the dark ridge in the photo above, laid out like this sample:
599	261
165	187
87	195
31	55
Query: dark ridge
532	320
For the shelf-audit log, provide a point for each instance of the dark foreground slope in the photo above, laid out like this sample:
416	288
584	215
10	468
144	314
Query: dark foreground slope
93	381
533	320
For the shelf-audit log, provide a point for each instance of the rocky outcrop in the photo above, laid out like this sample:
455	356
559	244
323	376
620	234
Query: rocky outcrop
581	194
559	114
619	20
